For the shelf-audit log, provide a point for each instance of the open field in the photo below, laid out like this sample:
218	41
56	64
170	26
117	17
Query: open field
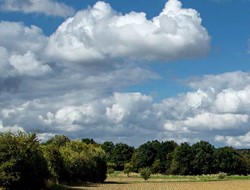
217	185
160	182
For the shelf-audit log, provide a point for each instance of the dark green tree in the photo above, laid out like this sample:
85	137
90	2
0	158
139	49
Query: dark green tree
228	160
88	141
145	155
22	164
58	140
182	160
164	156
203	160
55	162
108	147
121	154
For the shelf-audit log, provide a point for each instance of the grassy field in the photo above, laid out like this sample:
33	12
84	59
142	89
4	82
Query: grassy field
160	182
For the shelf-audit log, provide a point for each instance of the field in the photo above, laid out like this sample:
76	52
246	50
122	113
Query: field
210	182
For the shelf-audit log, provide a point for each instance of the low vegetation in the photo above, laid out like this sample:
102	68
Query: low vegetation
25	163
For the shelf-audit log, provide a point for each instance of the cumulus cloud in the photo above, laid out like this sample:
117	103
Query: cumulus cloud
47	7
235	141
43	91
134	117
21	50
27	64
100	33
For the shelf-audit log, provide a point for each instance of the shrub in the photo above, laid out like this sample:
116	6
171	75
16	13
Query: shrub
145	173
83	163
222	175
22	165
128	167
110	168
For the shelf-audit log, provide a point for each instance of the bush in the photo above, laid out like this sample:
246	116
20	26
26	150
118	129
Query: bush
128	167
110	168
83	163
56	167
22	165
145	173
222	175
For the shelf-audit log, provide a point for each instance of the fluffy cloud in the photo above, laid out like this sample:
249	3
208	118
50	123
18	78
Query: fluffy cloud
48	7
100	33
20	50
27	64
43	91
235	141
122	116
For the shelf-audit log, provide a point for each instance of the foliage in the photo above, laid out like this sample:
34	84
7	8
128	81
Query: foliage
121	154
108	147
83	163
88	141
110	168
145	155
203	161
182	159
22	164
222	175
58	140
228	160
55	161
128	168
145	173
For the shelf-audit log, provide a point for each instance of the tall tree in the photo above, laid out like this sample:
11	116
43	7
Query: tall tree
22	164
145	155
182	160
203	161
228	160
121	154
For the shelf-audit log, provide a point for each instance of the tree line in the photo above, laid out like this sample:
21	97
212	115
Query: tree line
27	164
170	158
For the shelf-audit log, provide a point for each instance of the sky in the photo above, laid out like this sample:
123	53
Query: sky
127	71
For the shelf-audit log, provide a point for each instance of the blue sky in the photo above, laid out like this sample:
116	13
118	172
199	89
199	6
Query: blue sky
126	71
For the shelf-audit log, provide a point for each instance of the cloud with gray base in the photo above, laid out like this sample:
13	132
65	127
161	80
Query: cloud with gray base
100	33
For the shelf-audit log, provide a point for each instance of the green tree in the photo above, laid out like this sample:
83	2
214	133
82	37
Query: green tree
108	147
22	165
128	168
55	163
88	141
84	163
228	160
203	160
245	157
182	160
121	154
145	155
58	140
145	173
165	156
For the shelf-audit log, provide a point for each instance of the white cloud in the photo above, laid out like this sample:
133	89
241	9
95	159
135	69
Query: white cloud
18	38
233	101
234	80
21	50
241	141
99	33
47	7
41	90
27	64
